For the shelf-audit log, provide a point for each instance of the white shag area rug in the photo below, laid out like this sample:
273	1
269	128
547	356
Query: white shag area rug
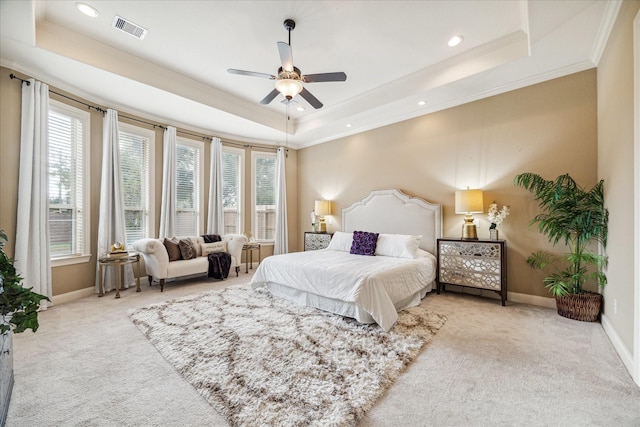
261	360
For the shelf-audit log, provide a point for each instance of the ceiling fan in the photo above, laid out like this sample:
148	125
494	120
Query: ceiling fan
289	81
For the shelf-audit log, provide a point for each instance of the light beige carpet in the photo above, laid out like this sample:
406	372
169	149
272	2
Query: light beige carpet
261	360
519	365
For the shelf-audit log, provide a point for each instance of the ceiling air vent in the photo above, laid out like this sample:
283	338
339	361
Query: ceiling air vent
129	27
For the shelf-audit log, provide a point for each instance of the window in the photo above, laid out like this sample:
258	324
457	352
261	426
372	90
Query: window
264	195
136	169
232	161
189	199
68	138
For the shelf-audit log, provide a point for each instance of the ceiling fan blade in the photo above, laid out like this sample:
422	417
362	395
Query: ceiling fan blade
324	77
286	56
251	74
267	99
315	103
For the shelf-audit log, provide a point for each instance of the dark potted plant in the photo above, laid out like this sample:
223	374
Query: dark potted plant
18	312
18	305
577	217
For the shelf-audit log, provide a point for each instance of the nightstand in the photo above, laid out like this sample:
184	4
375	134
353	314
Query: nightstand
480	264
314	241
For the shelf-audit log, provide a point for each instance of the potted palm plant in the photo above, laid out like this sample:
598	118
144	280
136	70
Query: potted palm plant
576	217
18	312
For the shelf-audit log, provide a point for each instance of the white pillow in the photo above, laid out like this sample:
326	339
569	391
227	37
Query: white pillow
398	245
341	241
209	248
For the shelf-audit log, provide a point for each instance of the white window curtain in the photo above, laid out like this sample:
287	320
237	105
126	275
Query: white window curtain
32	259
215	223
168	203
281	245
111	226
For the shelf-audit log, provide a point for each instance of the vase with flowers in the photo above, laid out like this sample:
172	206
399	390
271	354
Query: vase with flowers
496	217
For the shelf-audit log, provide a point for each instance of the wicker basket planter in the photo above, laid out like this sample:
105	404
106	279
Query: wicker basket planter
584	307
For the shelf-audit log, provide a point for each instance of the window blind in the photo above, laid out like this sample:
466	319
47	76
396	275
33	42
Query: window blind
134	169
188	178
265	196
231	191
67	179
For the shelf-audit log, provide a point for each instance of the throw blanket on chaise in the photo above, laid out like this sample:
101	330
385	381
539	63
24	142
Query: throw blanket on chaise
219	262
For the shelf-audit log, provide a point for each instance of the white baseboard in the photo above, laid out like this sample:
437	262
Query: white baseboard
73	295
531	299
621	349
511	296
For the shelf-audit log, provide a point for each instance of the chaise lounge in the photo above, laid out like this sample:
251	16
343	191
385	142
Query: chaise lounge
160	266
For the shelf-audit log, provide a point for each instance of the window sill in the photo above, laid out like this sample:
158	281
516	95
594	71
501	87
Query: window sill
70	260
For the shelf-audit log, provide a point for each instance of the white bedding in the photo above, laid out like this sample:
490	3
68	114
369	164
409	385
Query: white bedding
379	285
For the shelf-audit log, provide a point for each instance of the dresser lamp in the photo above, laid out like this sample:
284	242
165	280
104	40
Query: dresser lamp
322	208
469	202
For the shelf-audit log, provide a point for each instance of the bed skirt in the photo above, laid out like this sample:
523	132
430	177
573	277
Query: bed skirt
342	308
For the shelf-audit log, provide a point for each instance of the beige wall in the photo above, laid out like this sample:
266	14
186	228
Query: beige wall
616	167
548	128
75	277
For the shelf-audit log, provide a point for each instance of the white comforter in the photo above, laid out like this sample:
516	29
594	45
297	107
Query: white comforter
375	283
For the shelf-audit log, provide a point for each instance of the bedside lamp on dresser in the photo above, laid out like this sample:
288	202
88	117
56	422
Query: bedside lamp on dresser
322	208
469	202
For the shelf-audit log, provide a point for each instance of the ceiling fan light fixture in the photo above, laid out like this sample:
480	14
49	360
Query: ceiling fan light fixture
289	87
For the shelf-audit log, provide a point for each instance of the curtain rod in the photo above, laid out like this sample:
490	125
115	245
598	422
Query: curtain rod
13	76
154	125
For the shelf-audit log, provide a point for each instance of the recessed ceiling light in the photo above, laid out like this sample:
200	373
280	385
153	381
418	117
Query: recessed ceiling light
348	125
300	108
455	41
87	10
421	103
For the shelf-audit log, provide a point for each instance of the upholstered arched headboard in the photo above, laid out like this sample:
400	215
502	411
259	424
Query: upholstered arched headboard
393	212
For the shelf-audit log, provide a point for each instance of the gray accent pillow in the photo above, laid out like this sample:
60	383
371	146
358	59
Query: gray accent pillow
187	249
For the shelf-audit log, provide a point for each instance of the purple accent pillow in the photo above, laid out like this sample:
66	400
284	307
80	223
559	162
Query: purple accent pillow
364	243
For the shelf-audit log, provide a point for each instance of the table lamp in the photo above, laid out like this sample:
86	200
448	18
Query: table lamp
322	208
469	202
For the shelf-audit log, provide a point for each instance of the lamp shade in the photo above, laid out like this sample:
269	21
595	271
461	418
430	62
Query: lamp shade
289	87
469	201
323	207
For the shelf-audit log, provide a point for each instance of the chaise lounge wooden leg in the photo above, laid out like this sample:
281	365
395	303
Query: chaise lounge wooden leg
161	285
237	270
150	280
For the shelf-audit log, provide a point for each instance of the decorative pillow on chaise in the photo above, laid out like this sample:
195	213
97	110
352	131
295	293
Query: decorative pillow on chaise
173	249
209	248
364	243
187	248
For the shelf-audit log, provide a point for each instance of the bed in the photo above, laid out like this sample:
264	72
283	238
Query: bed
370	289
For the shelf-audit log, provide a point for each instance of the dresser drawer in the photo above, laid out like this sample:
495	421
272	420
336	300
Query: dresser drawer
314	241
473	263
